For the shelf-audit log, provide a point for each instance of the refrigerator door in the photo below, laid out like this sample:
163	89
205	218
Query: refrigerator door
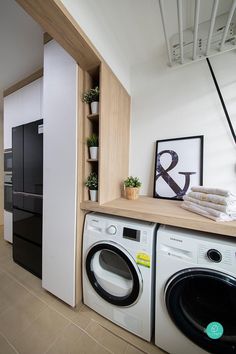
33	157
28	226
27	142
18	158
28	255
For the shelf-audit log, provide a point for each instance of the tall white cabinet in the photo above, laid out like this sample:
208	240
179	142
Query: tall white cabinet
20	107
60	189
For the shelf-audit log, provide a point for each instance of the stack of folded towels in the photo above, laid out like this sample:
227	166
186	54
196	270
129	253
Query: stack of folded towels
214	203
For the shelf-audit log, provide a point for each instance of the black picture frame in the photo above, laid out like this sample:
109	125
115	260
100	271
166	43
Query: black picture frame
162	173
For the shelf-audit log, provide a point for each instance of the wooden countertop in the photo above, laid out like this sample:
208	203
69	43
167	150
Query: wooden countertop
167	212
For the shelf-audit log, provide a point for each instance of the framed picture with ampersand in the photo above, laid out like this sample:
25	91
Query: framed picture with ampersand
178	166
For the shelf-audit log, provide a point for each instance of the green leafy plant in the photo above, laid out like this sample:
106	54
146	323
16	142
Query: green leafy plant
91	95
92	141
132	182
92	181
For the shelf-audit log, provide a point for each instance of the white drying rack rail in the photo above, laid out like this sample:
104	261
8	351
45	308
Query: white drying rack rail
202	40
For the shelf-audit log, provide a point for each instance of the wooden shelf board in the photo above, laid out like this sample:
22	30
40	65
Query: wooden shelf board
167	212
93	117
92	160
90	204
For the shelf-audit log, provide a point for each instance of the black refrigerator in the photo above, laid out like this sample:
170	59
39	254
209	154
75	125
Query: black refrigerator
27	178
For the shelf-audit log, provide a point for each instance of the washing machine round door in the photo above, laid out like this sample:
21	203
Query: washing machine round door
113	273
202	304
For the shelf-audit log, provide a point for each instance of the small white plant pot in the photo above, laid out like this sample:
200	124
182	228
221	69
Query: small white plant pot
93	151
94	107
93	195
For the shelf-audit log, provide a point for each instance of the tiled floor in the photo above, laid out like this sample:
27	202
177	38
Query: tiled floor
34	322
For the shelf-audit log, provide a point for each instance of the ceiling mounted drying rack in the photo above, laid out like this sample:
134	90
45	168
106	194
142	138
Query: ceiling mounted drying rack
203	39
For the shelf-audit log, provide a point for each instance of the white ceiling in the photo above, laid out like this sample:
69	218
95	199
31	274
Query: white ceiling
21	44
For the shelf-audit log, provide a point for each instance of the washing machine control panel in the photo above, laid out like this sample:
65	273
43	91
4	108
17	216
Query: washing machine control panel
111	230
214	255
131	234
126	233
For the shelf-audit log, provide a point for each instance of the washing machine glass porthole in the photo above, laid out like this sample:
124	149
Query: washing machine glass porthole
202	304
113	274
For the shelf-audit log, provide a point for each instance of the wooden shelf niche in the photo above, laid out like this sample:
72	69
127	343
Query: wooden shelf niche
112	125
91	126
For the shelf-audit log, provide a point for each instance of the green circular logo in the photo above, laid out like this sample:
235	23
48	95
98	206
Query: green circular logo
214	330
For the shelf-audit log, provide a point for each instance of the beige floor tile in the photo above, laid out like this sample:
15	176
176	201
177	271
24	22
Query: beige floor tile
86	311
74	341
14	292
133	350
81	320
56	304
5	280
4	302
15	270
31	282
5	261
106	338
10	293
89	346
18	317
68	342
5	251
41	333
5	348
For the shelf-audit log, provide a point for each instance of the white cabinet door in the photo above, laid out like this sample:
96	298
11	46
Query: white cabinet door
59	206
21	107
8	226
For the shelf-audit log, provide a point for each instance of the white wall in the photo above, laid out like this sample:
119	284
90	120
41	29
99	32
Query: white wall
178	102
91	16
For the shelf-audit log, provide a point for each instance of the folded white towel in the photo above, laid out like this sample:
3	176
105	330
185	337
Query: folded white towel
217	191
213	198
223	208
204	212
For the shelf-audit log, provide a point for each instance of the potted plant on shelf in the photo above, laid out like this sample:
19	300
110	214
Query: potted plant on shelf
92	184
92	143
92	97
132	186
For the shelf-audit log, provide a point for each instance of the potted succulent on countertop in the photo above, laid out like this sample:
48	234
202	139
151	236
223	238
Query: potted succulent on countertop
92	184
132	186
92	97
92	143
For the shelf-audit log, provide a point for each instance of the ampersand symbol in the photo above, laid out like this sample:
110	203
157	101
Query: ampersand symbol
162	172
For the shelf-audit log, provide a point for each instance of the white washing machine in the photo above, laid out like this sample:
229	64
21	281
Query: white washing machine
118	271
195	292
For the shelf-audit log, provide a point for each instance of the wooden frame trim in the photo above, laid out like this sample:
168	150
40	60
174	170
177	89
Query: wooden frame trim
24	82
46	38
57	21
